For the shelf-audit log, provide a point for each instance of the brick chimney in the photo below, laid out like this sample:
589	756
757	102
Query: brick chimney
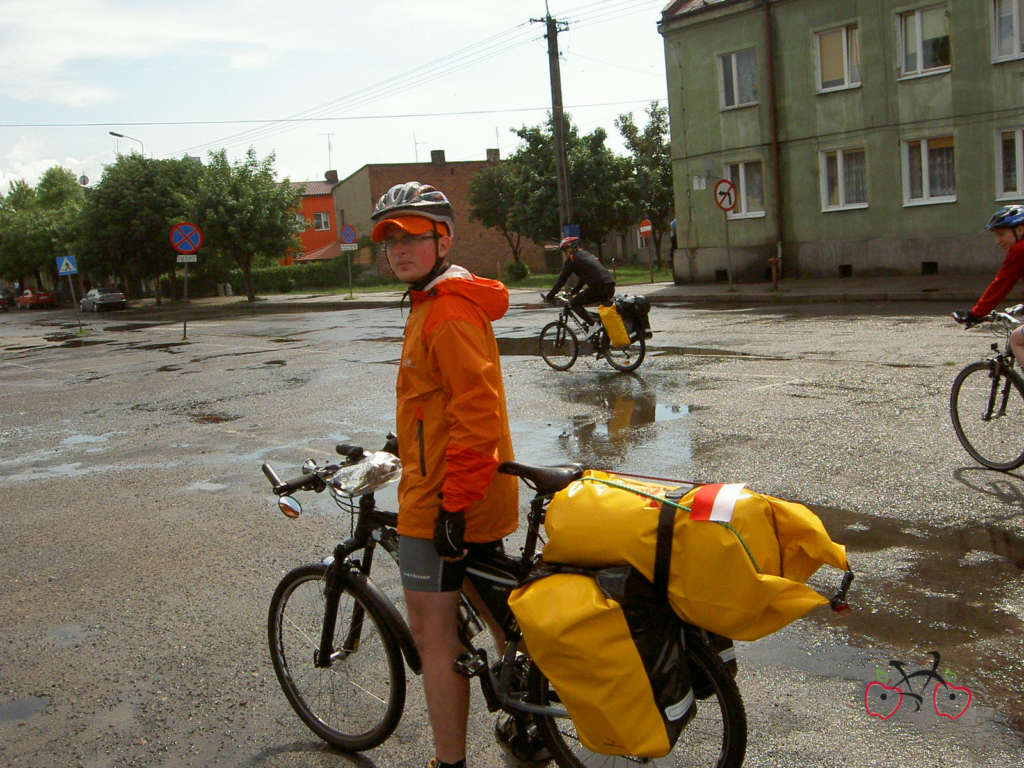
493	156
437	156
331	177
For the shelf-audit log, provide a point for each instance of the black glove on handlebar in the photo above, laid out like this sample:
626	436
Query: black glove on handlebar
966	318
449	528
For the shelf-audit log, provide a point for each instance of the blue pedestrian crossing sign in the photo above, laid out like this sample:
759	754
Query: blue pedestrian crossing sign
66	265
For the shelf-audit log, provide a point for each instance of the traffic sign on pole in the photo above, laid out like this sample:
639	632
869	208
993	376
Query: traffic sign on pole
186	237
645	228
66	265
725	195
348	234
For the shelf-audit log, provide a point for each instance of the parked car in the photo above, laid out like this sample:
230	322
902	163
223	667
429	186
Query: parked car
102	298
35	298
6	299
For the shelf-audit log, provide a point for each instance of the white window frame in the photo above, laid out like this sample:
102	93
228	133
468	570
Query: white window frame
741	211
840	153
1018	31
1018	193
319	218
920	71
848	81
927	198
735	80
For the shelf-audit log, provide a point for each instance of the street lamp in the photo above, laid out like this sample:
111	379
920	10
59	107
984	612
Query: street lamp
122	136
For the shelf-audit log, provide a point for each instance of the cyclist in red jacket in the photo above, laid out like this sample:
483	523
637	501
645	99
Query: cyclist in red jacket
1007	226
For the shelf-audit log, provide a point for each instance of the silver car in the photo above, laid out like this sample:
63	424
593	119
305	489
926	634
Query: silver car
102	298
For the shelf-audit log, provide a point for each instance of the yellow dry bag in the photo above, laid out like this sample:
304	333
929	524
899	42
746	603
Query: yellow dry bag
613	324
734	561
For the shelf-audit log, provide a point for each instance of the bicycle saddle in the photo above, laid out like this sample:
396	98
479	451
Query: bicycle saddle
543	479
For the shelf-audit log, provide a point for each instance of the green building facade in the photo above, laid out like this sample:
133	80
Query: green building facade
860	137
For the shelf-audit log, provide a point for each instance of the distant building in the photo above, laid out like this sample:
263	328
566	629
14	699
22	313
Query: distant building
862	137
319	240
481	250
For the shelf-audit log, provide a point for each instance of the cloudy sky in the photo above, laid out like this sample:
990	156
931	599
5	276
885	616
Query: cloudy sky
321	84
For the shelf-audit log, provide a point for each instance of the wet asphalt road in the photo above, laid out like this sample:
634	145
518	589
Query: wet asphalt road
139	548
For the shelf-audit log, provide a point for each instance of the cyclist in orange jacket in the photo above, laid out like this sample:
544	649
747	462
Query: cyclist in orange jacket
453	432
1007	226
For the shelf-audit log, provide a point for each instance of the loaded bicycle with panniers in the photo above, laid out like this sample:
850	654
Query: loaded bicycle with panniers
620	337
654	687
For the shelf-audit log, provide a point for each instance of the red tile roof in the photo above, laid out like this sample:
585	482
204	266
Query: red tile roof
329	251
314	187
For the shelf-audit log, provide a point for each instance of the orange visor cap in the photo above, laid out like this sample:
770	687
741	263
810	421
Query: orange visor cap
413	225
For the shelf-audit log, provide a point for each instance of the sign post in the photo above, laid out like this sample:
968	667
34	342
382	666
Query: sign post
348	243
645	233
186	238
725	198
66	265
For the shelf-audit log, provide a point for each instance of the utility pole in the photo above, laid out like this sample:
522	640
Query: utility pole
558	122
328	135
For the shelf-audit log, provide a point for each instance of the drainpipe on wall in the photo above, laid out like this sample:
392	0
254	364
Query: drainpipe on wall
774	262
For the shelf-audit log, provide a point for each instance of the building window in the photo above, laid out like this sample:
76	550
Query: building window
321	221
739	78
1009	163
844	182
924	37
749	182
929	175
838	58
1007	40
302	221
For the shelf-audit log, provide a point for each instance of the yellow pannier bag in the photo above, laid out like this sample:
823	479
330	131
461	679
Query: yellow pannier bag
736	560
612	321
614	654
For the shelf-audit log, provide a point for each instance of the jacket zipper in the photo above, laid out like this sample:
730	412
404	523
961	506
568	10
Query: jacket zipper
419	439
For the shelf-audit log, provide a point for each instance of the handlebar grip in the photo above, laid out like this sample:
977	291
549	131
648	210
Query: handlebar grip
350	451
301	483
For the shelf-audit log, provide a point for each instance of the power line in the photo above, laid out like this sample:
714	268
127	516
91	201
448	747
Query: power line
395	116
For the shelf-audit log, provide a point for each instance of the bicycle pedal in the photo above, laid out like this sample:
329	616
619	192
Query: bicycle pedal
471	663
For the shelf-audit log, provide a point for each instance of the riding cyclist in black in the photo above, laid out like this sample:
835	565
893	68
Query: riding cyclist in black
596	284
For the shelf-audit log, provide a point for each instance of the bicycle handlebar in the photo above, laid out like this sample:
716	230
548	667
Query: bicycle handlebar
311	482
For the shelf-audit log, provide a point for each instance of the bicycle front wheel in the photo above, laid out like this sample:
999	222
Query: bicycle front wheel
356	702
626	358
987	408
716	737
558	345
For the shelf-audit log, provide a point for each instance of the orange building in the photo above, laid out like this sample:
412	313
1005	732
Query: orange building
319	240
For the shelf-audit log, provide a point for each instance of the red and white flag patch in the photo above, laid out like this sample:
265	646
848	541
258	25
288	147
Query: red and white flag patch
716	502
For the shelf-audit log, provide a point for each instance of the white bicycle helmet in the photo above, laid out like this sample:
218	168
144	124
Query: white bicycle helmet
414	198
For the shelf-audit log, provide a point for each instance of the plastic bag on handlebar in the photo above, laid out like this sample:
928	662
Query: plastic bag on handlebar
375	470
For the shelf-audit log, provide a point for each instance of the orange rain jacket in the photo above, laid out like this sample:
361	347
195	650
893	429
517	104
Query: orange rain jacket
452	422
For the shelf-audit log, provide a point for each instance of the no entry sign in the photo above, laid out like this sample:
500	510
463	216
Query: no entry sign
186	237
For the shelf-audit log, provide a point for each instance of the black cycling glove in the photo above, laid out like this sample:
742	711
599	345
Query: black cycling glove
449	528
965	317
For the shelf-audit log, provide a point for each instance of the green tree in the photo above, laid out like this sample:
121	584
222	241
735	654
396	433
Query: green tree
651	157
600	184
244	213
492	202
126	224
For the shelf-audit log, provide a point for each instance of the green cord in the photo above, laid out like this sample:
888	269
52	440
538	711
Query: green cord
678	506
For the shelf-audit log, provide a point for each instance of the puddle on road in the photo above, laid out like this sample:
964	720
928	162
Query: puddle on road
131	327
959	591
68	635
22	709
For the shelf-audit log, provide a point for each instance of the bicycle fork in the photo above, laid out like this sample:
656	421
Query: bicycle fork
996	374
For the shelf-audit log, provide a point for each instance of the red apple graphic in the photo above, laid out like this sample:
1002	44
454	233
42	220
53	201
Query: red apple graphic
886	700
953	698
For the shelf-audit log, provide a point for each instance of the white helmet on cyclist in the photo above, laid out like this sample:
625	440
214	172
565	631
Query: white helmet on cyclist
403	203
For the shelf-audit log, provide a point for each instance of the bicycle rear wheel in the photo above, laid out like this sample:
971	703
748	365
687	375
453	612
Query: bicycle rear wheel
558	345
716	737
355	703
627	358
987	408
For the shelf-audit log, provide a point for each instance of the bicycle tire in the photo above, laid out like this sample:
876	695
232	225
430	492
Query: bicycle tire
625	359
559	345
994	441
716	737
355	703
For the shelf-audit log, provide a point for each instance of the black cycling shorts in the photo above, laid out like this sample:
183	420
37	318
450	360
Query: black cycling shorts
423	570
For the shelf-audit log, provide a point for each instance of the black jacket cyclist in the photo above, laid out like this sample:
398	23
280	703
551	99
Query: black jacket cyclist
596	284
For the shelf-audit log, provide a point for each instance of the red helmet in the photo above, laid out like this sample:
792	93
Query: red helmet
569	242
